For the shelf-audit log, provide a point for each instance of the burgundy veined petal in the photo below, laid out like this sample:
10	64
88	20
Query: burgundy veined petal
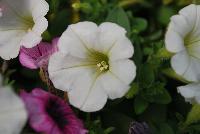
50	114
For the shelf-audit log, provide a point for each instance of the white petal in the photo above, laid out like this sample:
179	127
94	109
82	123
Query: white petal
12	113
86	31
180	25
39	8
195	33
31	39
180	62
189	12
193	71
190	92
114	87
122	49
173	41
18	8
194	49
186	66
87	93
8	20
10	43
109	34
65	69
125	70
40	26
78	39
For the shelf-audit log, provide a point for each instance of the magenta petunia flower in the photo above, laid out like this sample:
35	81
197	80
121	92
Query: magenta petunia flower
49	114
37	56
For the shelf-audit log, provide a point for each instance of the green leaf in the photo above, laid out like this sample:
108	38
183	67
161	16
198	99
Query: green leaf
119	16
146	80
54	5
194	115
156	93
164	14
132	91
109	130
163	98
118	120
59	23
165	129
140	105
139	25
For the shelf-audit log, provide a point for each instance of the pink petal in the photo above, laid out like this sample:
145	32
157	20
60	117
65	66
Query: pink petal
41	94
33	105
26	60
41	123
37	56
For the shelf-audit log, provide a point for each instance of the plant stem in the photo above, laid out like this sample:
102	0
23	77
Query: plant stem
75	13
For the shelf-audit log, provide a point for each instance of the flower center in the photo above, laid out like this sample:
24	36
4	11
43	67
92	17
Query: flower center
101	61
103	66
28	22
57	112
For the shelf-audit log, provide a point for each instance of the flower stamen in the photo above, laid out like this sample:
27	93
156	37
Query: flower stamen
103	66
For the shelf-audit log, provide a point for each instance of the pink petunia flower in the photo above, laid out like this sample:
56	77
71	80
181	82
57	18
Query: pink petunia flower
37	56
49	114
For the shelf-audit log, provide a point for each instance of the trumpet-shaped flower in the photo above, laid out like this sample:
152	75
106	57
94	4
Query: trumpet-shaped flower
183	39
21	24
49	114
92	64
13	114
37	56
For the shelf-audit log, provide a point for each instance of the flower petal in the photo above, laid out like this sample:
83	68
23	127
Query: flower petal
189	12
122	49
190	92
31	39
78	39
186	66
40	26
87	93
10	44
37	122
13	114
180	25
114	87
37	56
125	70
68	65
33	104
173	41
28	57
38	8
109	34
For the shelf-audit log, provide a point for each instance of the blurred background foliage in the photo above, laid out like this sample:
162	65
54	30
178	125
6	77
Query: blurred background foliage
153	96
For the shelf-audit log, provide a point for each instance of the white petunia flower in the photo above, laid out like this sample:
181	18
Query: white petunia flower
21	24
93	64
183	39
13	114
190	92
